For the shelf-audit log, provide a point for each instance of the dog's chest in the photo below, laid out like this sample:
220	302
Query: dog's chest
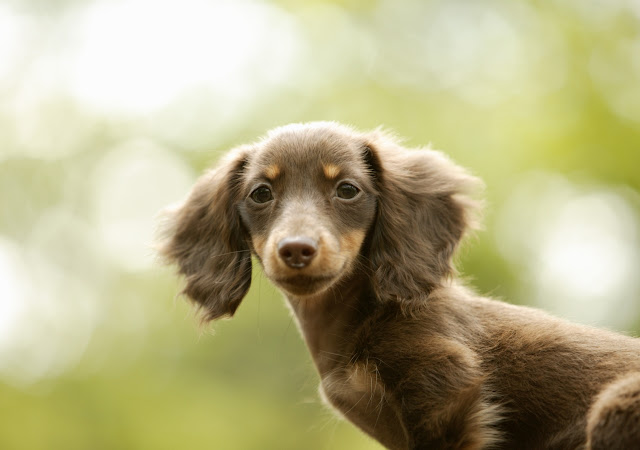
353	384
359	393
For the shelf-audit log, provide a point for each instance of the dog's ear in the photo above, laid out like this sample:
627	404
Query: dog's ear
424	209
205	239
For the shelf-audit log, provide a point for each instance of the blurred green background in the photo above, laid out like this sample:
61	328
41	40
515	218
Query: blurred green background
110	109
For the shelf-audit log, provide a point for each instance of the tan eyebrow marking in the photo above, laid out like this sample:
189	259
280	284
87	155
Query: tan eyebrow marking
330	170
272	172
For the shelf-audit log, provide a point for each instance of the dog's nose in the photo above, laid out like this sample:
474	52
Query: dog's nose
297	252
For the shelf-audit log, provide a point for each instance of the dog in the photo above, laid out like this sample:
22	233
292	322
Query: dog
359	233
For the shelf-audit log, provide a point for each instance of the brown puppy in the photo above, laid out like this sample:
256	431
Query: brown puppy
358	233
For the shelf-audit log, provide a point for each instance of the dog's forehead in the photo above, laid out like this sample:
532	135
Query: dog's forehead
304	150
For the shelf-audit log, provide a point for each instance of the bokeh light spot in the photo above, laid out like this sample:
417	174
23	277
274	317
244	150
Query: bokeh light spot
578	246
132	183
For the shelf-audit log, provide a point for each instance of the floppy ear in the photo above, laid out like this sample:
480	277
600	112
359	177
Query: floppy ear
424	210
205	239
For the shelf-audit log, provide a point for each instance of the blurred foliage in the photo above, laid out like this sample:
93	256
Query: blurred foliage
97	352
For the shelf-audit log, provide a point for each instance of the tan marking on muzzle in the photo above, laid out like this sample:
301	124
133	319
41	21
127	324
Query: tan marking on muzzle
351	242
258	244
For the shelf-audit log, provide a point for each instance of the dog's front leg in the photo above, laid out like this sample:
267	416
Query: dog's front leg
461	422
442	400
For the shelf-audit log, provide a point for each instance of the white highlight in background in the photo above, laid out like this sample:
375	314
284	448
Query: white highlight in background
12	36
139	55
49	298
578	246
131	185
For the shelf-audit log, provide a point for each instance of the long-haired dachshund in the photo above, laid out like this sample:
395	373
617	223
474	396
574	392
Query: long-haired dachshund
359	233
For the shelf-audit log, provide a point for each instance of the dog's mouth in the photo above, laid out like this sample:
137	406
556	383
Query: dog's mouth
305	284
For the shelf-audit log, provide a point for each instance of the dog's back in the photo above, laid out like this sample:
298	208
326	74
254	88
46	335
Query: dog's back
551	371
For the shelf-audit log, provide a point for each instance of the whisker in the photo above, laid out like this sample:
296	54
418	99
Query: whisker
218	255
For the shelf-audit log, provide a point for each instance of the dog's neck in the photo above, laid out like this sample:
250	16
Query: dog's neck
328	321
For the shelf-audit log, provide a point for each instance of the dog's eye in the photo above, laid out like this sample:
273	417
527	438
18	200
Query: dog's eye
261	195
347	191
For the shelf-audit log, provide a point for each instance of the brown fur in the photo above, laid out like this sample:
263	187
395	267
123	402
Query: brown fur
403	351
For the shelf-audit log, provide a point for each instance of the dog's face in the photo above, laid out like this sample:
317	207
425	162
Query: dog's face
314	202
308	203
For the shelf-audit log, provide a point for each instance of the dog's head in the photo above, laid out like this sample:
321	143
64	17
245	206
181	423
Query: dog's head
318	203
